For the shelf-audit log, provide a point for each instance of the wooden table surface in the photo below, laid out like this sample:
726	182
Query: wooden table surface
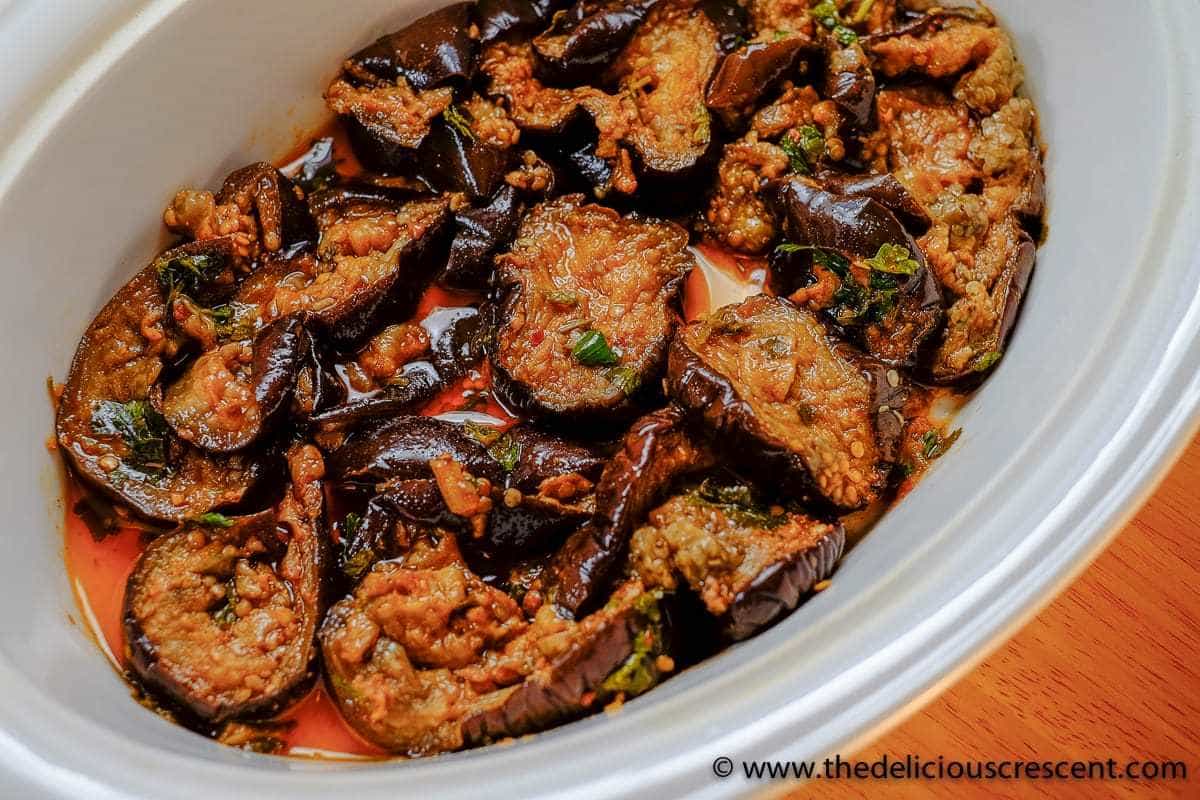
1110	669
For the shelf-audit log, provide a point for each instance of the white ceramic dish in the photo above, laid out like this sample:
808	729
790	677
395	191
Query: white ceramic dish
107	105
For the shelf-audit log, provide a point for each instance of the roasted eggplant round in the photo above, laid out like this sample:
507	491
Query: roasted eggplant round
221	616
782	399
586	303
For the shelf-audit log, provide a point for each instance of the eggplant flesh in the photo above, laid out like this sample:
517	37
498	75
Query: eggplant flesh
436	687
203	606
782	400
569	344
750	566
254	395
665	69
657	450
896	312
353	292
113	436
285	226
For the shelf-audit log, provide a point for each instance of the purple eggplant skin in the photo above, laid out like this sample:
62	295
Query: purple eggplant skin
433	51
577	680
401	448
656	451
480	232
318	386
394	296
731	21
779	588
360	192
857	227
415	500
583	40
1018	269
884	189
450	161
546	456
458	340
286	227
748	73
850	83
301	561
419	382
503	19
217	279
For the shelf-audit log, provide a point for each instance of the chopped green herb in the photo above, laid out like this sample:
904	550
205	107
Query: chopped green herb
592	350
186	274
860	13
780	36
737	501
459	118
826	13
934	445
804	148
639	672
986	361
358	563
906	469
844	35
624	378
212	519
143	430
506	451
792	247
895	259
563	297
226	615
350	525
484	434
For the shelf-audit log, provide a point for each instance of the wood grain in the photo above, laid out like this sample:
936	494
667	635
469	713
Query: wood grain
1110	669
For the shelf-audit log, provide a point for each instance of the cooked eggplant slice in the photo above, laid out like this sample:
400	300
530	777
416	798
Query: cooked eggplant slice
730	19
586	302
537	487
504	19
979	55
221	617
408	364
614	651
867	273
656	451
533	106
433	51
401	449
228	398
110	431
781	400
747	74
480	233
386	120
425	657
750	565
375	261
665	70
258	207
583	40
